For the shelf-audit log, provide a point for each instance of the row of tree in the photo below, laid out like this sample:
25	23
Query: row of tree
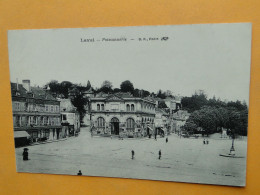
212	115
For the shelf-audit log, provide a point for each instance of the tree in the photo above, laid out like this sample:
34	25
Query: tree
161	94
190	127
106	87
88	86
127	86
80	102
116	90
195	102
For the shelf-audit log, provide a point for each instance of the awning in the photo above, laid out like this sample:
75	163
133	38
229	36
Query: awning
19	134
150	128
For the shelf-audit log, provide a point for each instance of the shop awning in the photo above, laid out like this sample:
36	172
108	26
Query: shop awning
19	134
150	128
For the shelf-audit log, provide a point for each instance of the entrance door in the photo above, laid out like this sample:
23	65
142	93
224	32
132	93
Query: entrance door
115	126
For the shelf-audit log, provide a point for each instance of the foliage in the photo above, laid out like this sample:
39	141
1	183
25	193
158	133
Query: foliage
106	87
127	86
161	94
79	102
88	85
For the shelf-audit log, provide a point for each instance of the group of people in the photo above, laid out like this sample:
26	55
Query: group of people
205	141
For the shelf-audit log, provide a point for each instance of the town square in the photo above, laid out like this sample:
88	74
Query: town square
183	159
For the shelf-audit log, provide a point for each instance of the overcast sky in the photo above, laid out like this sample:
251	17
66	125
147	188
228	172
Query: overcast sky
211	57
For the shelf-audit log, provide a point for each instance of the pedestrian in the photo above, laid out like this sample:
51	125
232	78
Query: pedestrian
160	154
207	141
166	139
79	173
204	141
133	154
155	137
25	154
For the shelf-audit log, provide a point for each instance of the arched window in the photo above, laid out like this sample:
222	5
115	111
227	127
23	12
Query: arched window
100	122
102	107
130	124
127	107
98	107
132	107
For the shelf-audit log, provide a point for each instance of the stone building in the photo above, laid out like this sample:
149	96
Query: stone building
70	118
36	113
162	121
179	119
122	114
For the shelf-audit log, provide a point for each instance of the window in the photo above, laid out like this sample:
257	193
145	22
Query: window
64	117
98	107
57	108
34	120
132	107
130	124
46	108
127	107
102	107
16	106
52	109
100	122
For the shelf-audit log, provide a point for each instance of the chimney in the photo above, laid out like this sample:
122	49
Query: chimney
17	84
26	85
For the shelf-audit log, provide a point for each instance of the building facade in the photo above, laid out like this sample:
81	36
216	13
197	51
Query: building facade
35	113
70	118
122	114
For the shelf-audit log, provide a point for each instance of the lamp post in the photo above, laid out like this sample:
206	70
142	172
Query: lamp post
232	149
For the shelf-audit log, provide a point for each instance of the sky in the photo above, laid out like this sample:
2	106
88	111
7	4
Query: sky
215	58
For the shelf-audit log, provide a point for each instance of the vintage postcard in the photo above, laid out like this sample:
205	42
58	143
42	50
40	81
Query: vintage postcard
163	103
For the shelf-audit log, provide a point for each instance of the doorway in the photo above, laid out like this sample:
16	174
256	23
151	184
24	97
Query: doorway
114	126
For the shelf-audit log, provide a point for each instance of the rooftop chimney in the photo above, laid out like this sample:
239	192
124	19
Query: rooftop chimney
26	85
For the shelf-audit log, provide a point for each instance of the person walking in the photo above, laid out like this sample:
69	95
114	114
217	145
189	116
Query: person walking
133	154
25	154
166	140
79	173
160	154
204	141
207	141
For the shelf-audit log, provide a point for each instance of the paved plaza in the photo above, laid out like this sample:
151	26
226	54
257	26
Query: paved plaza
183	159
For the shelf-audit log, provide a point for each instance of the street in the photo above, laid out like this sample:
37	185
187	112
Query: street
183	159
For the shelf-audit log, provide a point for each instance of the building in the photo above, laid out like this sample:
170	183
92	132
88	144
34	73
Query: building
179	119
70	118
36	114
122	114
174	104
162	121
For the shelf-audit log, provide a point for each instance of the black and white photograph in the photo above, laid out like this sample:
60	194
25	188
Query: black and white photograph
166	103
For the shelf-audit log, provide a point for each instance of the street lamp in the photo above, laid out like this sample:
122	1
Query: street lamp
232	149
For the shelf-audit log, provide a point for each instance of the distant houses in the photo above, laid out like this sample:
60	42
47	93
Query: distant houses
37	115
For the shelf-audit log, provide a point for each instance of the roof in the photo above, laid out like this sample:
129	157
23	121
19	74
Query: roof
19	134
36	92
163	112
67	105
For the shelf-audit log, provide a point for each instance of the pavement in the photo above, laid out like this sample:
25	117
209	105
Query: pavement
183	159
